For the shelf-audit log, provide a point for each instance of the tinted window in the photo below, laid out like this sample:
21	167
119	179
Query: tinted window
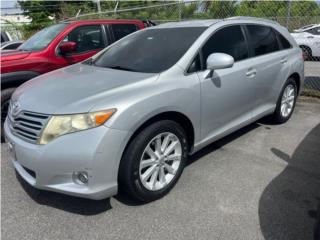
263	39
87	38
12	46
195	65
314	31
151	50
229	40
284	42
122	30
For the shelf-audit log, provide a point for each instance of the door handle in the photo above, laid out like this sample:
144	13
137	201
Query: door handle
284	60
310	37
251	72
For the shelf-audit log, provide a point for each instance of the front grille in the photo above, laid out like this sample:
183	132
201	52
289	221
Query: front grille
27	125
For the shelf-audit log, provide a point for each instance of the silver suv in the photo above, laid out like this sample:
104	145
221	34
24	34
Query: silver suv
130	116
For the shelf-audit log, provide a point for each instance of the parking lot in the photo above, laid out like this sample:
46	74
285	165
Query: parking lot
261	182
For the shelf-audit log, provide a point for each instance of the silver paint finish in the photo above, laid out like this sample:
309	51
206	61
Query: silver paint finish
219	61
216	106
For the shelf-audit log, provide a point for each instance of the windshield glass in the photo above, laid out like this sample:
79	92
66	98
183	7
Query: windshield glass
149	51
41	39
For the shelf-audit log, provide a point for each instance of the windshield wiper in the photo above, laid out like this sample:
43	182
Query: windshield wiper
122	68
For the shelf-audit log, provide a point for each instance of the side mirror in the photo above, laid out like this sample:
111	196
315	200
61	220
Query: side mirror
67	47
219	61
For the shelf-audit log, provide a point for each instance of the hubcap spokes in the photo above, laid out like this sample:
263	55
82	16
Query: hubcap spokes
160	161
287	101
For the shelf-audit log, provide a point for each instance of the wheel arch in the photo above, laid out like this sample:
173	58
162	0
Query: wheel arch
306	47
297	79
177	117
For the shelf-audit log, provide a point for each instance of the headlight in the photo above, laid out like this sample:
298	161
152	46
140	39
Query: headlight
63	124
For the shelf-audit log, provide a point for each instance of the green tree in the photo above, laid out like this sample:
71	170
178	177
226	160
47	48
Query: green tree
38	12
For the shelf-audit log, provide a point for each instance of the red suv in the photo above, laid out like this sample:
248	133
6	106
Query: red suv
58	46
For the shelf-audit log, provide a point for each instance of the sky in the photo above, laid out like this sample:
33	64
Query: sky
9	4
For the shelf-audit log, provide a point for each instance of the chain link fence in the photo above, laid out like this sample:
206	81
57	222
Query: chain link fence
300	17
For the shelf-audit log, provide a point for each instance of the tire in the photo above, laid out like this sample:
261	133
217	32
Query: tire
5	99
131	171
280	116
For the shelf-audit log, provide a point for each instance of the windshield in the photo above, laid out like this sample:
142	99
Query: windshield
149	51
41	39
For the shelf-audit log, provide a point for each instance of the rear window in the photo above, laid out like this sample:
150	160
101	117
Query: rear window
121	30
149	51
284	42
263	39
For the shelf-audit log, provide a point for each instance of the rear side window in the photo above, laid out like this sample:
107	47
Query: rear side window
314	31
229	40
263	39
122	30
284	42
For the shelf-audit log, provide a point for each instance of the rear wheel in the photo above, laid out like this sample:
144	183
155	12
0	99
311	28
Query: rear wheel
153	161
286	102
5	100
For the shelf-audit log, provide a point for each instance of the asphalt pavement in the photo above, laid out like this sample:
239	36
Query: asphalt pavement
262	182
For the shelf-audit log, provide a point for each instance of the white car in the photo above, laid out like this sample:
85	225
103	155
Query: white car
308	38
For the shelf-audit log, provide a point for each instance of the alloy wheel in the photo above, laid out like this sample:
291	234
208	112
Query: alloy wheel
160	161
287	101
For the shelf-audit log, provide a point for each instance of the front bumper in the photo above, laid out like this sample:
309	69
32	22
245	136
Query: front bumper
96	151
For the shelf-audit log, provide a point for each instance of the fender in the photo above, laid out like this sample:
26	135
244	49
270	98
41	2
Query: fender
16	78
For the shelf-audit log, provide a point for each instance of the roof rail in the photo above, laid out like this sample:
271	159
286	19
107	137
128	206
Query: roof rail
253	19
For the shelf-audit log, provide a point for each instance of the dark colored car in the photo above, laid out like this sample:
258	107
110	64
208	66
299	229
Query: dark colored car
58	46
10	45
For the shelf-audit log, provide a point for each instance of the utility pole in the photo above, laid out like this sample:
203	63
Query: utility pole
180	9
288	13
98	6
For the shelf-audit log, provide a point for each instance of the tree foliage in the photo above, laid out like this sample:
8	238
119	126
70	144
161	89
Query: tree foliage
40	10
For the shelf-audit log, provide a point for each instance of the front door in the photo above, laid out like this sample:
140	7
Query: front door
228	96
89	40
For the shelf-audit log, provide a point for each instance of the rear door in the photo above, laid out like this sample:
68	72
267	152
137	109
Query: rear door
270	62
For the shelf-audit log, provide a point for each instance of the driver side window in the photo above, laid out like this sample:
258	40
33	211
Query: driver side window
87	38
229	40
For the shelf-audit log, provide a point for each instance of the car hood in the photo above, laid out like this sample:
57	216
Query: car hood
76	89
10	55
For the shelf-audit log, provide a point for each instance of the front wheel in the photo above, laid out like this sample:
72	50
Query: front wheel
153	161
286	102
5	100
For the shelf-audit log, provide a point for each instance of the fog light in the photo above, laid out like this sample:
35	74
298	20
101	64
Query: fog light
81	177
